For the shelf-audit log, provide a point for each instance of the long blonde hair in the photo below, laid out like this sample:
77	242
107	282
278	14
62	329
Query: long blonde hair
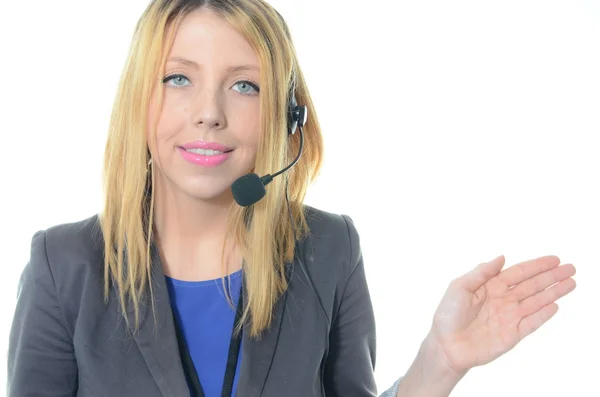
263	230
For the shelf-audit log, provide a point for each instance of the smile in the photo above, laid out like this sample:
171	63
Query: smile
206	152
204	157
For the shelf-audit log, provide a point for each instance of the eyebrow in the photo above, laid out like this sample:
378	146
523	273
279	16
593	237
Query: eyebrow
230	69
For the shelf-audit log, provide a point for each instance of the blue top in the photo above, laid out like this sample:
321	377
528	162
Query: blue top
206	320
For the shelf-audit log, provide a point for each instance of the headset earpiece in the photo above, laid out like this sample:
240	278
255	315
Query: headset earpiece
297	115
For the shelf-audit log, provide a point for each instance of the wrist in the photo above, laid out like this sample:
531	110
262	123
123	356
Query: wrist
436	361
430	373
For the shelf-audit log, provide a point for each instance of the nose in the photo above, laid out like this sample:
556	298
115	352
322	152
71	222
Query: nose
208	110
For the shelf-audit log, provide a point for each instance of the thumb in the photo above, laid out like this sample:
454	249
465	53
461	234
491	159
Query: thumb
484	272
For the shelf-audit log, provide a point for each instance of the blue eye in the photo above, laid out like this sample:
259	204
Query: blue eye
246	87
179	77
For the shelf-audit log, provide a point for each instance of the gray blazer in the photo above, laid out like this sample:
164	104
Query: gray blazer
65	341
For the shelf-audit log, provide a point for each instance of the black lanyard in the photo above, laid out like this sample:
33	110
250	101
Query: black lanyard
232	358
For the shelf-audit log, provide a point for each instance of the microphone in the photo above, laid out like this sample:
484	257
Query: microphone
250	188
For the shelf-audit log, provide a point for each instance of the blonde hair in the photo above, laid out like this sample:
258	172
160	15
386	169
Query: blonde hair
263	230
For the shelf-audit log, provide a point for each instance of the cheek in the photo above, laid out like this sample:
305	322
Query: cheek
167	123
250	127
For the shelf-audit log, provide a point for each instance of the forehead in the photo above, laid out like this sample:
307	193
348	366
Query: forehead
205	37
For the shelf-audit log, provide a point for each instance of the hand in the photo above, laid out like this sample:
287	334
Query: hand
486	312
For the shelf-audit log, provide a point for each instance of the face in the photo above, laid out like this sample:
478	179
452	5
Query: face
208	128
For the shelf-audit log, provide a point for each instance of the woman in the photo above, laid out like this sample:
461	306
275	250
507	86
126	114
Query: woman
141	300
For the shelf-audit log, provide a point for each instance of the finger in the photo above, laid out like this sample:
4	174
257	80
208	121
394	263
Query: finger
481	274
536	320
542	281
544	298
525	270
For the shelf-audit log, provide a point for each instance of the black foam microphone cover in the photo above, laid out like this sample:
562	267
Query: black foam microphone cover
248	189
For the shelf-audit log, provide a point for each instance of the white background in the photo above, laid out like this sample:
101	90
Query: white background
455	131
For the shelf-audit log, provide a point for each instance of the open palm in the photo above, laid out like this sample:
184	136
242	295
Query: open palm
486	312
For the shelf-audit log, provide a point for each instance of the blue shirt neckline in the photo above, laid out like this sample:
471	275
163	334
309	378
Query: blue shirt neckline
202	283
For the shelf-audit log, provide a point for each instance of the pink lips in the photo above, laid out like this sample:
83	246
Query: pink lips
208	160
206	145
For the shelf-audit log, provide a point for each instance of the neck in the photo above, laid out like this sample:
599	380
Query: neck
191	234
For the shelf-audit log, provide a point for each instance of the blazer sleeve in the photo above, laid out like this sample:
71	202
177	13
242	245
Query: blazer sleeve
41	360
349	370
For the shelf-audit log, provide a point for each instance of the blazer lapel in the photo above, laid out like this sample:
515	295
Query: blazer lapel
257	355
157	340
158	344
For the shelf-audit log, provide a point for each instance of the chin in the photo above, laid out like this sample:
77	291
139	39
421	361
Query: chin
204	187
214	191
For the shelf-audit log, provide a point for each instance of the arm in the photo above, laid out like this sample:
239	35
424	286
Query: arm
41	360
482	315
351	359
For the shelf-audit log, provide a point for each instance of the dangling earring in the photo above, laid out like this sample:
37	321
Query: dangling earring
148	165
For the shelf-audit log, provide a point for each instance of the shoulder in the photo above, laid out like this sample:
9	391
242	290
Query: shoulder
68	254
328	222
333	239
333	257
65	263
71	243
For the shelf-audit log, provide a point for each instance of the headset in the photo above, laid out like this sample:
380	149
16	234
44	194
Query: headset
249	189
